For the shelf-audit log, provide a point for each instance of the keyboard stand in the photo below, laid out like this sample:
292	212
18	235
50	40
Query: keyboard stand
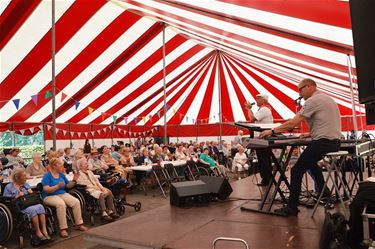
278	176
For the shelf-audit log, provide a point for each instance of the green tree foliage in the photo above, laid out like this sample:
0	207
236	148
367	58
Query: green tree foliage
27	144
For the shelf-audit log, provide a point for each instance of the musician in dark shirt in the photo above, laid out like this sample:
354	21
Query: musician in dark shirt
323	117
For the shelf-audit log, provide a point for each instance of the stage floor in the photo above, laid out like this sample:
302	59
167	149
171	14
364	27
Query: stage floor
197	227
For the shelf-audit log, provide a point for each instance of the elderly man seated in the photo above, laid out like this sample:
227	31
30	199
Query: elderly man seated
96	190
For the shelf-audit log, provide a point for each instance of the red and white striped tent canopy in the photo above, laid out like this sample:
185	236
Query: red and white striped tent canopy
109	59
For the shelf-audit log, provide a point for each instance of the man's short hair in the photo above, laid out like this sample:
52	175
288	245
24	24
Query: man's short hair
309	82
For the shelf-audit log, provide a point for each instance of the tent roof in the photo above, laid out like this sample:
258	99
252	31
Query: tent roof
109	58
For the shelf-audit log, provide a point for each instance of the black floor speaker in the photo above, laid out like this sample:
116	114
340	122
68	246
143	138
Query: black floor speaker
189	192
217	186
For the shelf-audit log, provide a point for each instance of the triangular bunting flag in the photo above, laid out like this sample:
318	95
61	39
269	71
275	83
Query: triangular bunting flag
33	129
49	127
114	119
105	129
22	132
30	131
63	96
92	133
79	134
57	130
135	120
104	116
16	102
64	132
139	133
158	114
144	133
98	132
72	133
130	133
125	132
35	99
48	95
86	133
76	103
126	120
40	127
144	119
90	110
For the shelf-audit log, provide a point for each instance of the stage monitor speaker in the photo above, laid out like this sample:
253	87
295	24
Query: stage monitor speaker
182	193
370	113
363	27
218	186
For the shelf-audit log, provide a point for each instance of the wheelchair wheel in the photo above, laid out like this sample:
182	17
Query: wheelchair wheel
137	206
203	172
77	194
9	223
51	222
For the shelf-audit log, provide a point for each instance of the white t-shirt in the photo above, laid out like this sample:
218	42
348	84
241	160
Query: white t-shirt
263	116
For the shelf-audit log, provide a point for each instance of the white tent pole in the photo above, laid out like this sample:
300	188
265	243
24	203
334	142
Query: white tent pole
53	33
352	95
164	88
219	87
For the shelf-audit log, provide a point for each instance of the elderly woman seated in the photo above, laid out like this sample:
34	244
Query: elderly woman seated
96	190
54	194
53	155
112	163
126	161
14	159
35	213
212	163
36	168
240	161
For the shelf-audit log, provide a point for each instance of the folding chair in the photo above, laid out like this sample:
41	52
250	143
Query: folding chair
171	174
158	171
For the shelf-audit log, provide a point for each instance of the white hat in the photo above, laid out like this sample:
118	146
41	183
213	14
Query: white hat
263	96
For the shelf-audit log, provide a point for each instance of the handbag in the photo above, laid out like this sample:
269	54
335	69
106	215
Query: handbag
28	200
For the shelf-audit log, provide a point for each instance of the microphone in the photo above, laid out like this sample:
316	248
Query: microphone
253	103
298	99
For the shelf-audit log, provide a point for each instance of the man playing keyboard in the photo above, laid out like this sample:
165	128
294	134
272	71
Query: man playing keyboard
323	118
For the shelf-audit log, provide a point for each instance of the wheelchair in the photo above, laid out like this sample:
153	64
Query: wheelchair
17	221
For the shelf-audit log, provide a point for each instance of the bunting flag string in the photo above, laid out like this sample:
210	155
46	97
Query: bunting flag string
104	115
